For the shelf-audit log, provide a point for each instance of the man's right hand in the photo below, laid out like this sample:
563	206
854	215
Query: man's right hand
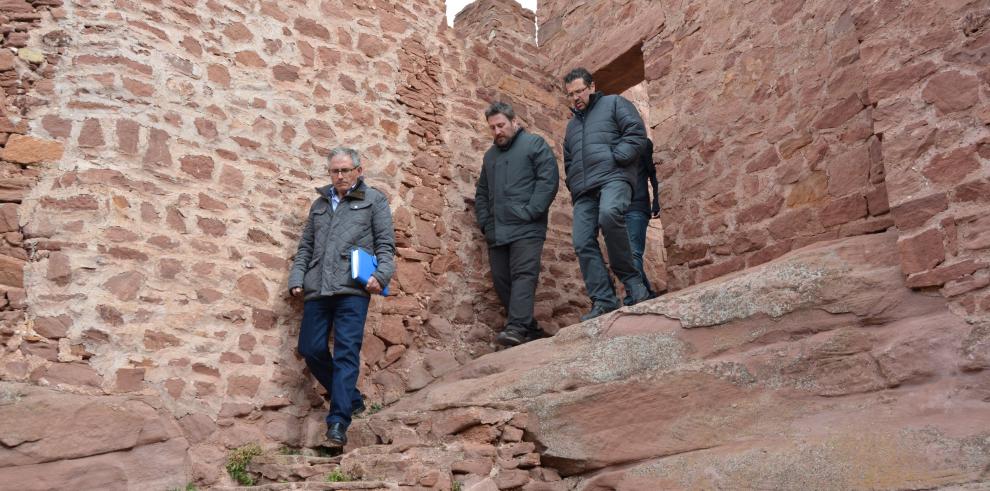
295	292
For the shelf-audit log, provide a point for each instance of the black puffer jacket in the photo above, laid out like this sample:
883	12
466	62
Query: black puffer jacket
601	143
515	189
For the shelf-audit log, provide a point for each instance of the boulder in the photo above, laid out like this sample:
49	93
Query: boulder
818	369
56	440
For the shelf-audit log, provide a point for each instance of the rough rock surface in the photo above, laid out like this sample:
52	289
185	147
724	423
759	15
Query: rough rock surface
57	440
817	369
156	159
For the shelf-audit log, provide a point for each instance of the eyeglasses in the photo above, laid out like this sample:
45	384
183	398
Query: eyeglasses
575	93
341	172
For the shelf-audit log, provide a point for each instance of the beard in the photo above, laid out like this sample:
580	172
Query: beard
502	141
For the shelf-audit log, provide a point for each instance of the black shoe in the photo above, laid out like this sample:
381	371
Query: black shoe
337	435
511	336
637	292
598	309
357	405
358	408
534	334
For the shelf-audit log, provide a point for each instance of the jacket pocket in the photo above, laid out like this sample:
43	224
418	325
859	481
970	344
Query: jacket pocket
518	213
312	280
360	206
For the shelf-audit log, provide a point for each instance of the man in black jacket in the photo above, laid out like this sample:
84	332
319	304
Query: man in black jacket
518	182
602	146
640	211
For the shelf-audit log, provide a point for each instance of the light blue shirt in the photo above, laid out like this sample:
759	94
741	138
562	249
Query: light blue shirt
335	200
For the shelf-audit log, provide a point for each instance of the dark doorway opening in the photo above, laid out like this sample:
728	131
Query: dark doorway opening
625	71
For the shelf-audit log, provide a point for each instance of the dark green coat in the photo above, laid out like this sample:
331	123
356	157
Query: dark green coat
515	189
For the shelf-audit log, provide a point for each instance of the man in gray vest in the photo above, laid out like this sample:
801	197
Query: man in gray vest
518	181
602	146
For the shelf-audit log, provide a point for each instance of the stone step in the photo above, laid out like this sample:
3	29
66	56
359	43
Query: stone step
317	486
275	468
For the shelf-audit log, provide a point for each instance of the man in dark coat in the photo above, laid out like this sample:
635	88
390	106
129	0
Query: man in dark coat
602	146
640	211
518	181
347	214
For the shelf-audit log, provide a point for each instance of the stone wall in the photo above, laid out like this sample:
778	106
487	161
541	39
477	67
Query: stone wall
26	79
176	145
779	124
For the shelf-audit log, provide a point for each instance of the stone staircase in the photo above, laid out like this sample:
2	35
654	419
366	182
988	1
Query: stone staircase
442	448
274	472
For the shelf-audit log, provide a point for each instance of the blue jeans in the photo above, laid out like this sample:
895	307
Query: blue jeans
603	209
345	314
636	223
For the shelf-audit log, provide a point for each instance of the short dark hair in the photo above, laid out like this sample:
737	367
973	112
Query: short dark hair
579	73
499	107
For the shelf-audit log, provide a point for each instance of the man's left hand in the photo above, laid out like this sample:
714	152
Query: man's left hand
373	286
656	209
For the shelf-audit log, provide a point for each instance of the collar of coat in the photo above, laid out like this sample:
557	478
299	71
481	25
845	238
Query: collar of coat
356	192
511	141
592	99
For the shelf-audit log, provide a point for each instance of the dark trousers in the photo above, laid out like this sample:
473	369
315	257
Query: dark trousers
515	271
636	224
345	314
604	209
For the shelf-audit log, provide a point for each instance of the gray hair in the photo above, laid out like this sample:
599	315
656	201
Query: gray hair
350	152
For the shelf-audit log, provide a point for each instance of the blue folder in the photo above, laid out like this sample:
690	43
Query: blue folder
362	267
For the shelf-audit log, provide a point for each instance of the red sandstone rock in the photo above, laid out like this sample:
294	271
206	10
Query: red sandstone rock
29	150
250	59
252	286
72	374
53	327
212	226
886	84
11	271
59	268
198	166
125	286
130	379
371	46
952	167
915	213
943	274
840	113
312	28
109	440
844	210
154	340
921	252
242	386
952	91
784	356
158	149
285	73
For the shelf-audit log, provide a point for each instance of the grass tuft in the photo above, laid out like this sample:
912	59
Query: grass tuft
337	476
238	461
